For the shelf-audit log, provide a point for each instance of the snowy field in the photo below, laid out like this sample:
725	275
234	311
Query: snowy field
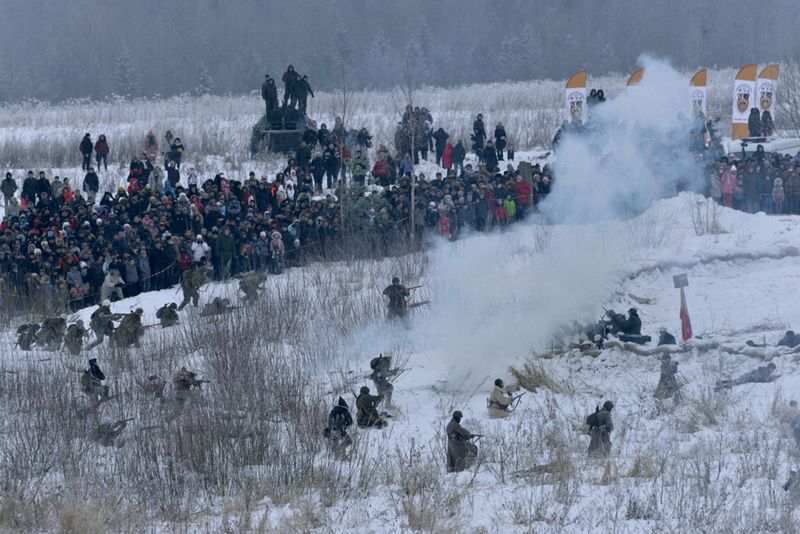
715	462
47	136
249	456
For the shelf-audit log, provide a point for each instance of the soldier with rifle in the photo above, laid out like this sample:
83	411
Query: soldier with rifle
397	294
26	337
251	285
186	383
107	431
382	374
218	306
668	384
167	315
130	329
339	420
368	415
92	383
51	334
501	402
102	324
191	282
460	452
73	339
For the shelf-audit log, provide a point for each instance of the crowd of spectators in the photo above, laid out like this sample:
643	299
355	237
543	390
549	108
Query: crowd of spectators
66	247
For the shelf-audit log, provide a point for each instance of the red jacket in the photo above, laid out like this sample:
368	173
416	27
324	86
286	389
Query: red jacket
522	192
447	156
380	169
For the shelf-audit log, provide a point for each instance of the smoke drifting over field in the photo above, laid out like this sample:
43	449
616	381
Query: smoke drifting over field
499	296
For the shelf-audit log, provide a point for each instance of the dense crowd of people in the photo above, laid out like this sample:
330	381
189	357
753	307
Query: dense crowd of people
66	246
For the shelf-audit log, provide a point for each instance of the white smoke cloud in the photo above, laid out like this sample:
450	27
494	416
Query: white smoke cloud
498	296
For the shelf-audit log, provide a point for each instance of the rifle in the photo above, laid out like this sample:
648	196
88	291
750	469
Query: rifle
476	436
414	287
515	401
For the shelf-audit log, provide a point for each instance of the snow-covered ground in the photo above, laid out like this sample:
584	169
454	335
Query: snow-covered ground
715	462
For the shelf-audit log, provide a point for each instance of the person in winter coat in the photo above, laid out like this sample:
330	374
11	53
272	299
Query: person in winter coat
290	79
500	401
490	157
200	250
30	189
101	152
381	171
459	155
112	285
151	146
8	188
478	134
600	432
461	453
339	420
359	166
447	156
225	250
754	123
269	93
302	89
176	151
173	174
440	138
767	125
86	148
729	183
778	196
499	140
332	161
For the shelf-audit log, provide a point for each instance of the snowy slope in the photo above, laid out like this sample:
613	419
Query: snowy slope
714	462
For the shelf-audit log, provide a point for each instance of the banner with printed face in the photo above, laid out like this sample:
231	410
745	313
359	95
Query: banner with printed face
766	88
575	97
697	92
744	89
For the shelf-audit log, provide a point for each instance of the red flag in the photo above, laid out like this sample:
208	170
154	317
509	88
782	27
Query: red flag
686	323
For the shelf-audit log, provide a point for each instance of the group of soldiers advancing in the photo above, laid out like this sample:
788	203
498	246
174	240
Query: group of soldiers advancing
185	385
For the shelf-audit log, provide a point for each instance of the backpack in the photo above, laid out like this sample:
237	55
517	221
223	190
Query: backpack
593	420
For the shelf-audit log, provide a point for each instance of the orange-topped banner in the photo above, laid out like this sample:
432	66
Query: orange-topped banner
636	77
575	97
744	88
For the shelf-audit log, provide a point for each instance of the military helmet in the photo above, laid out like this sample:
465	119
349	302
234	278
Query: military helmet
364	390
138	311
790	333
608	405
633	311
457	415
498	382
395	280
173	305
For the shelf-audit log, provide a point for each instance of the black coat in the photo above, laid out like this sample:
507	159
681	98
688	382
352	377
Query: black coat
500	138
478	129
490	158
441	137
339	418
9	186
30	188
91	182
459	153
86	146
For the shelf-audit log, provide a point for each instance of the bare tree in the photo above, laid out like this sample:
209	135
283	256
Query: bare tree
407	91
789	96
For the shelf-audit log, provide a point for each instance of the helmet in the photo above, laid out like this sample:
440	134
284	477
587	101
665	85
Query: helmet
498	382
138	311
364	390
457	415
173	305
608	405
633	311
395	280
